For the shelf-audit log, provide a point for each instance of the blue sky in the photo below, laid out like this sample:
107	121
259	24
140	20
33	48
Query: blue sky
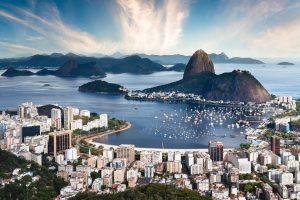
249	28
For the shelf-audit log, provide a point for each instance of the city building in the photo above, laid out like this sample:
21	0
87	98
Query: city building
30	130
149	170
108	153
68	118
286	178
275	145
119	175
59	141
126	151
71	154
151	157
173	167
56	118
216	150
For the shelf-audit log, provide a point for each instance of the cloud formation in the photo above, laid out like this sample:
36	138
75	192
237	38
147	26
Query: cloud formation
10	48
256	28
149	27
145	27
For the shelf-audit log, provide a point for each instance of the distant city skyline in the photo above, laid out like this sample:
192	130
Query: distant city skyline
245	28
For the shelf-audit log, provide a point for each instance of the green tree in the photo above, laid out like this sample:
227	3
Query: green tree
248	187
95	175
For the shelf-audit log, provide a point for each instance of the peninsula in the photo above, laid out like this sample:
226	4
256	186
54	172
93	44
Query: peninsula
200	79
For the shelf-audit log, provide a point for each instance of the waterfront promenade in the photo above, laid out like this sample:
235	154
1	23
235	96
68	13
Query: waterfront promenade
89	138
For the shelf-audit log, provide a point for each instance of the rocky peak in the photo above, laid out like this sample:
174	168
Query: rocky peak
199	62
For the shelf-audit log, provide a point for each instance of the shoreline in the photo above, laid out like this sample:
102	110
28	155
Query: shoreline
89	140
163	150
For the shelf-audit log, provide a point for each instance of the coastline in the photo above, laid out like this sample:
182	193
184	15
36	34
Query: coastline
89	139
163	150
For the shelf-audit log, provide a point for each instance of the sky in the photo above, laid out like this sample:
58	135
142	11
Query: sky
246	28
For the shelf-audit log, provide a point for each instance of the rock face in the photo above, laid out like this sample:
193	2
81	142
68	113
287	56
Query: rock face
199	62
238	86
200	78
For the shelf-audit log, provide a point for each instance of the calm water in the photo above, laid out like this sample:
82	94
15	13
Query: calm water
174	125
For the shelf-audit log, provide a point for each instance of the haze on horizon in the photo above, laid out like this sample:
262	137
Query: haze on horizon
239	28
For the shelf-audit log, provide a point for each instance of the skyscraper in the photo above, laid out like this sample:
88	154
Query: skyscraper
56	118
275	145
59	142
216	150
68	118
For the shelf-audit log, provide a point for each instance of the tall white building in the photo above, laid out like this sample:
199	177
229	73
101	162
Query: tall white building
196	169
56	118
174	156
297	176
76	124
286	178
240	161
189	158
149	171
151	157
103	120
108	153
68	118
71	154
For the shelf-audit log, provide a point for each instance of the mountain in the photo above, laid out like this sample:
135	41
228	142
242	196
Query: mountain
179	67
42	61
11	72
58	59
99	86
285	63
73	69
45	71
199	78
239	60
216	58
199	62
135	65
166	59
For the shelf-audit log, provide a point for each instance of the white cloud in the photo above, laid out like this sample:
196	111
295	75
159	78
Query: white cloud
9	49
151	28
255	28
146	27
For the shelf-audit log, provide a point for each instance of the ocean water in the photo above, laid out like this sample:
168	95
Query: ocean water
153	124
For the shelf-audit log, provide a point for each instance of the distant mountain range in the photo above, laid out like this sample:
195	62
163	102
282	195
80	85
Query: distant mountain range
58	59
216	58
75	66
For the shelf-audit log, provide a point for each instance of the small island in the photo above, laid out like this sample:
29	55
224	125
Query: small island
179	67
285	63
11	72
99	86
